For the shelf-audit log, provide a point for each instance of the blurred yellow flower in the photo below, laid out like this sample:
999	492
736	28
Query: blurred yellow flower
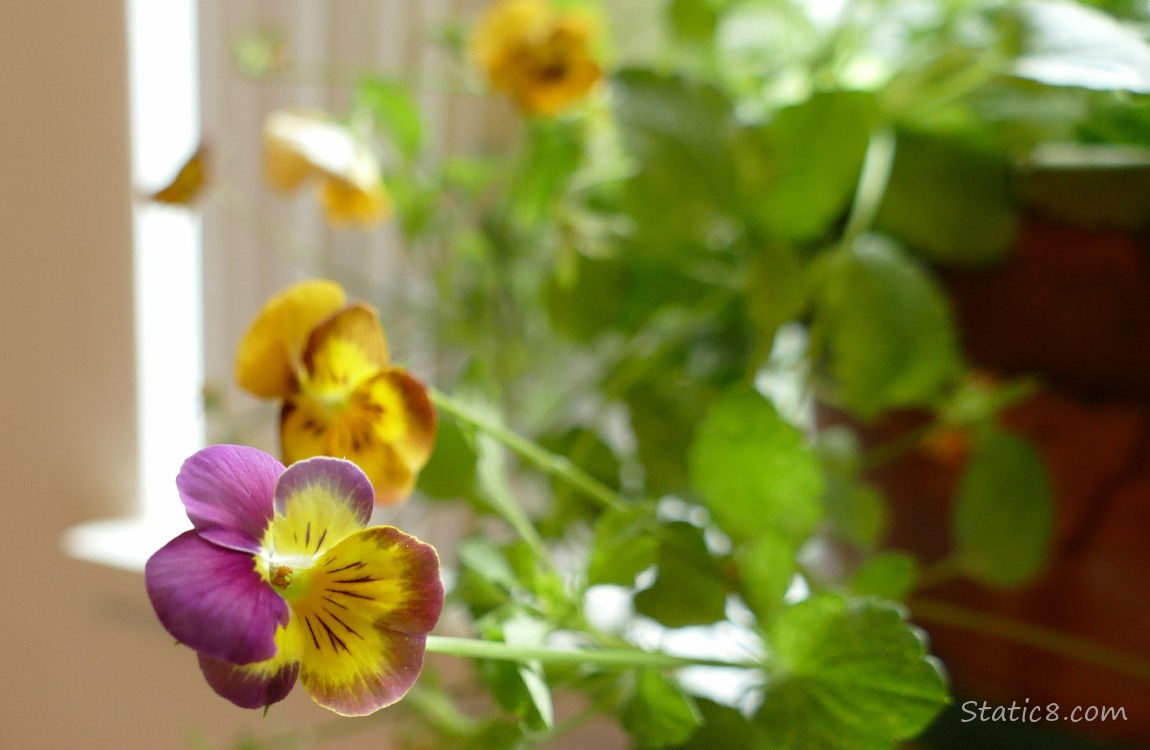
301	147
538	54
188	184
328	362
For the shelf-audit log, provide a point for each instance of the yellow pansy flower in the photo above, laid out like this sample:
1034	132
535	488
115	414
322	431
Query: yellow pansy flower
328	362
302	148
538	54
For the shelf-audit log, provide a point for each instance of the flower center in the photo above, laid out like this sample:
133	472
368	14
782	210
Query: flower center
281	576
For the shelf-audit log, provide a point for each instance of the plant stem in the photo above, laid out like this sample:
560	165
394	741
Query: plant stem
872	184
1027	634
622	658
551	463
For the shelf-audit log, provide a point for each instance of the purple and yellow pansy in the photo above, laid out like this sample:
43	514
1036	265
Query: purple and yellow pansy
281	579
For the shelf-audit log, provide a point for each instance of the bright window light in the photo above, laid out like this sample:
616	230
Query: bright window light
163	61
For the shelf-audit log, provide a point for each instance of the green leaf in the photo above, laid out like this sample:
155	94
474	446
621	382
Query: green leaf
816	152
483	558
724	728
394	111
623	546
849	674
856	512
553	149
450	472
680	134
766	569
954	204
888	575
690	587
664	413
1069	44
1004	516
520	687
776	290
753	471
888	328
496	735
658	713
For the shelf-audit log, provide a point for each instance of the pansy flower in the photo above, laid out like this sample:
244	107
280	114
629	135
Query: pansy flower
537	54
302	148
281	579
328	362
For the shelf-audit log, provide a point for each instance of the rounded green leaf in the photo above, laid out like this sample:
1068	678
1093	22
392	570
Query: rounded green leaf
850	674
887	326
753	470
1004	517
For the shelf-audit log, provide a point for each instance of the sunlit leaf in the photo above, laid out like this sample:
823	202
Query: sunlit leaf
766	568
852	674
753	470
1070	44
394	111
815	154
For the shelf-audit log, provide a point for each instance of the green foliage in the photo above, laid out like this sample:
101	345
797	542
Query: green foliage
1004	517
851	674
690	587
753	471
815	154
890	575
614	280
393	110
969	219
886	326
624	546
658	713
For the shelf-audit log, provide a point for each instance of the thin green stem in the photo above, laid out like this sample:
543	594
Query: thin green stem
553	464
1027	634
619	658
872	184
944	570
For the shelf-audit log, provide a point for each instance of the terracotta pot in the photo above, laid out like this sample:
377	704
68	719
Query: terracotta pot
1073	307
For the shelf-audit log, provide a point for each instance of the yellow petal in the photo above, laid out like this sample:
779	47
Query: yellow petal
316	509
344	351
302	145
269	356
363	619
186	186
346	203
387	428
538	55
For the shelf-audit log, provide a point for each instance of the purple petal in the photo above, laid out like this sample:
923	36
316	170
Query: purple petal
341	479
249	687
213	600
227	491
